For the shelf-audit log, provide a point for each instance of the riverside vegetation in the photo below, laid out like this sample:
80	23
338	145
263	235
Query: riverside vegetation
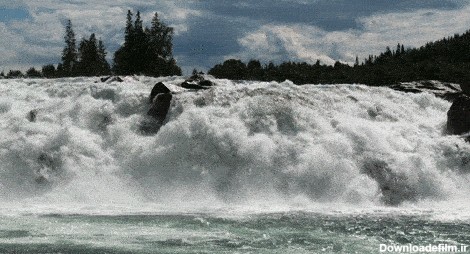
149	51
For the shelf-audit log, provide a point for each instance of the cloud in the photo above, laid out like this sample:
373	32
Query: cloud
39	37
281	42
301	42
206	32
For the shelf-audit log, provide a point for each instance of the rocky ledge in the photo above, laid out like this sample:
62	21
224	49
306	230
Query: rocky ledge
444	90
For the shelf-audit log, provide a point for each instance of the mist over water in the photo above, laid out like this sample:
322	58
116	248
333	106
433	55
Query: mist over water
247	143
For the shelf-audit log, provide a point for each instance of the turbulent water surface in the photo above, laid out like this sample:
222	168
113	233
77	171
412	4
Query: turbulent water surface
242	167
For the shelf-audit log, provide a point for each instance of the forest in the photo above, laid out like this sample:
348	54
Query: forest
146	51
149	51
447	60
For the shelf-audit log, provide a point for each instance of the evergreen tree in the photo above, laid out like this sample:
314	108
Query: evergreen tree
254	69
231	69
69	54
160	49
48	71
139	56
92	58
122	57
161	37
15	74
146	51
398	52
104	67
33	73
129	32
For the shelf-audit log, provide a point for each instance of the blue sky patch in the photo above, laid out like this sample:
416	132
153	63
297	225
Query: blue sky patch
7	15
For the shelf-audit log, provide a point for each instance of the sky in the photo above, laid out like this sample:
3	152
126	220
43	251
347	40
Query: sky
208	32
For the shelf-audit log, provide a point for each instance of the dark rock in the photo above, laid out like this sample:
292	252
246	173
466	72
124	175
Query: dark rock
352	98
50	166
160	106
197	82
158	111
104	79
446	91
111	79
196	78
206	83
160	98
158	88
458	116
47	160
32	115
394	187
465	88
192	86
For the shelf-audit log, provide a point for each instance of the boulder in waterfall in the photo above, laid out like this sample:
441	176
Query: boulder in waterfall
160	106
465	88
104	79
444	90
158	88
198	77
157	114
197	82
49	167
458	116
192	86
394	187
206	83
160	100
110	79
32	115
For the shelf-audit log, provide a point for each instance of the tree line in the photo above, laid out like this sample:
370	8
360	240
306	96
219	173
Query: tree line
146	51
447	59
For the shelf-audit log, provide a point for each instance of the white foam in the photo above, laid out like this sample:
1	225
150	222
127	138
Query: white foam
236	143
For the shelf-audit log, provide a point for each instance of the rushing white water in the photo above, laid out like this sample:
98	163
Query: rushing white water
78	141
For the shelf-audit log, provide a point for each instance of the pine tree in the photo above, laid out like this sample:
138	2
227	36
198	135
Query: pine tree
103	63
48	71
15	74
69	54
139	56
161	37
122	57
33	73
92	58
254	70
160	49
146	51
129	32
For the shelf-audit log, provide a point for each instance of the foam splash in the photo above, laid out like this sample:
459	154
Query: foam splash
233	143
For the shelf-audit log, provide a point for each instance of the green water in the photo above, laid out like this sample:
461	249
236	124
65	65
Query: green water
292	232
